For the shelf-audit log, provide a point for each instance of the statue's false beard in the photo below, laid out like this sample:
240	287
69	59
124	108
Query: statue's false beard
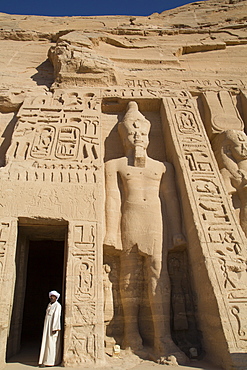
140	156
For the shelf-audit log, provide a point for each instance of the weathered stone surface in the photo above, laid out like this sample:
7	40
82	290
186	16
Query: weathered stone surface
123	151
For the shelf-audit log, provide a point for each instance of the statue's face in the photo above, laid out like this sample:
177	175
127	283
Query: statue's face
137	133
239	147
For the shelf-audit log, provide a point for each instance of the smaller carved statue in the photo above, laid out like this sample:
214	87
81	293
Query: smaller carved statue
230	149
108	307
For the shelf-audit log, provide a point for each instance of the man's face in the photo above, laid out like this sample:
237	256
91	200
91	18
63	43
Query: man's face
137	134
53	298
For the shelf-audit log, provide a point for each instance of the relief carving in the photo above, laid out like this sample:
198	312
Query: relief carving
82	347
83	344
235	311
68	142
108	309
230	149
85	313
183	318
189	84
43	140
56	139
220	113
172	278
239	311
84	286
4	234
224	241
186	122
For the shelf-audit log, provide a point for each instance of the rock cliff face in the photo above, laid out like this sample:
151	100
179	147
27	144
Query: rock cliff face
136	47
122	155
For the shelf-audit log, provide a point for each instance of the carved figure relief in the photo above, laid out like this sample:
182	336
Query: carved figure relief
141	178
108	309
230	149
108	296
220	112
183	319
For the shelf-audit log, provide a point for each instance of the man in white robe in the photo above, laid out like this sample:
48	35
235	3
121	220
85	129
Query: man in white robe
50	352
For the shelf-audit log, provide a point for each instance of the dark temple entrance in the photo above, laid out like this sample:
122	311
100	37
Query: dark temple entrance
40	265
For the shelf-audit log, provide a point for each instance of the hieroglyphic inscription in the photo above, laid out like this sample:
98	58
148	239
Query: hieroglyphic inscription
68	142
144	88
42	143
83	347
4	234
84	343
57	139
122	92
205	84
220	230
238	304
84	261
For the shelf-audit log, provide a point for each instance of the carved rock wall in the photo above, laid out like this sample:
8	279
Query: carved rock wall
65	85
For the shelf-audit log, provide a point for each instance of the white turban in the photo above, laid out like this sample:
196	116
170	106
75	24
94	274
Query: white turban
55	293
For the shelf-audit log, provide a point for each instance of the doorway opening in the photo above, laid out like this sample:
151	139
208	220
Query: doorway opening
41	256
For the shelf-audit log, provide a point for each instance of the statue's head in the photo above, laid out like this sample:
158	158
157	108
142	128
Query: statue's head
134	128
232	143
236	143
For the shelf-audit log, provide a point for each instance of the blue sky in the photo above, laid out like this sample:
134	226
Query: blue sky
88	7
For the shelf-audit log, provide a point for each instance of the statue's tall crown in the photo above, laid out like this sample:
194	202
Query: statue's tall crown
133	113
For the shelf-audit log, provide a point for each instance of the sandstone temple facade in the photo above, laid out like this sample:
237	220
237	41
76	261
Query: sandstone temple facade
124	183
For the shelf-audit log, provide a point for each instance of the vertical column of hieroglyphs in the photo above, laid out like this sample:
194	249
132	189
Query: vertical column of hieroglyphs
83	341
219	243
8	233
84	311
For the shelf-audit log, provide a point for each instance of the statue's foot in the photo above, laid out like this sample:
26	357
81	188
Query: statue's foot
166	350
169	360
133	342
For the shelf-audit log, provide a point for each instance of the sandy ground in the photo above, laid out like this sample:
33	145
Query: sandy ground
27	359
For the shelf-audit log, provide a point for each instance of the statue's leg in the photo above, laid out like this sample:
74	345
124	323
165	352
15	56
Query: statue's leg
129	290
159	296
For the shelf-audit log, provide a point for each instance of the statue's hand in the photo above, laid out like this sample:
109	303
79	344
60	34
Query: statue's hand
179	243
238	179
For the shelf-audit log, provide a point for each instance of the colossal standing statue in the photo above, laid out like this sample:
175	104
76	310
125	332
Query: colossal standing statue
141	200
230	149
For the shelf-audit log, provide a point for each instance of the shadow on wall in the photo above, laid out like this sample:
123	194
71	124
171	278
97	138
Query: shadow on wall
7	135
113	145
45	74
